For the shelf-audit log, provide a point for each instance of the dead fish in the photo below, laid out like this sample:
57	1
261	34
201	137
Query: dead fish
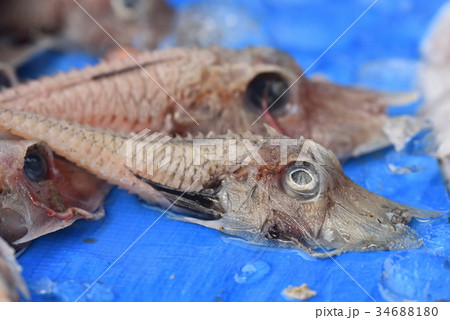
434	75
138	23
216	89
11	281
41	193
296	198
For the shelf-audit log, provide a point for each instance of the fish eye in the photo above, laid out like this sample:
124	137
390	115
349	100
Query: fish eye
264	90
126	9
35	166
302	179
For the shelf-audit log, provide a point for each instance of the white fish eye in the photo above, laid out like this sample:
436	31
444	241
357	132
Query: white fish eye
302	179
126	10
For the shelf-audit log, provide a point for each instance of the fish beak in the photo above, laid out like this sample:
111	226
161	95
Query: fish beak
359	220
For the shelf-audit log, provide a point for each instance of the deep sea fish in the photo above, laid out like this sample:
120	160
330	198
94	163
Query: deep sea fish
180	91
273	190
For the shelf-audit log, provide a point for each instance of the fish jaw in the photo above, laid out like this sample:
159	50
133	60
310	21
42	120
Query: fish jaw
31	209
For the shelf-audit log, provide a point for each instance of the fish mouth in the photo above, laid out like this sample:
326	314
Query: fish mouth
364	221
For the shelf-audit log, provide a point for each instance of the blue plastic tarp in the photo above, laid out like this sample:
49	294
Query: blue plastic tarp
133	254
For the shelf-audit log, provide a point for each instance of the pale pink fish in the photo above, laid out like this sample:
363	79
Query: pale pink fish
304	201
215	89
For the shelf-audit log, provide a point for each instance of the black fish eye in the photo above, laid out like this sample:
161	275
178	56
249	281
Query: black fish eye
266	91
301	178
130	4
35	166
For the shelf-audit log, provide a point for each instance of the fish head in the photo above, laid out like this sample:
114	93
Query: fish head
305	200
39	193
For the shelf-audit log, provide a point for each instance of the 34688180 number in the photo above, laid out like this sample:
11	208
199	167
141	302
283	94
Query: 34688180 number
407	311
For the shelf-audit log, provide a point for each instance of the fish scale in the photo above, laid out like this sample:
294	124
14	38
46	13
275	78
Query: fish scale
106	150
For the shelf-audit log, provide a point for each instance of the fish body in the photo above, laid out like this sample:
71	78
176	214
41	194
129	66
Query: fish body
273	190
179	91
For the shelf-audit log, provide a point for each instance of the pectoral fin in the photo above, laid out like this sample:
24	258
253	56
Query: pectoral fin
200	205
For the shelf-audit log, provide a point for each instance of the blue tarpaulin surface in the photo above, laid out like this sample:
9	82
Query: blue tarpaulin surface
178	261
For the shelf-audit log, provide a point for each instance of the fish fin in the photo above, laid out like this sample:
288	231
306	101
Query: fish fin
271	132
179	216
399	99
396	131
400	130
202	205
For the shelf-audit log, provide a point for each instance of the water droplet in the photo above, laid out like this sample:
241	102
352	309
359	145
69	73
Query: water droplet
252	272
46	289
414	275
100	292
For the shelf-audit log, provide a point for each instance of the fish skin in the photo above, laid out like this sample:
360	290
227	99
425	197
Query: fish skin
29	209
211	85
246	197
11	281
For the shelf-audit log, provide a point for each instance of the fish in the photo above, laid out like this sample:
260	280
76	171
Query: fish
270	190
11	281
42	193
136	23
28	28
39	193
194	90
433	78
